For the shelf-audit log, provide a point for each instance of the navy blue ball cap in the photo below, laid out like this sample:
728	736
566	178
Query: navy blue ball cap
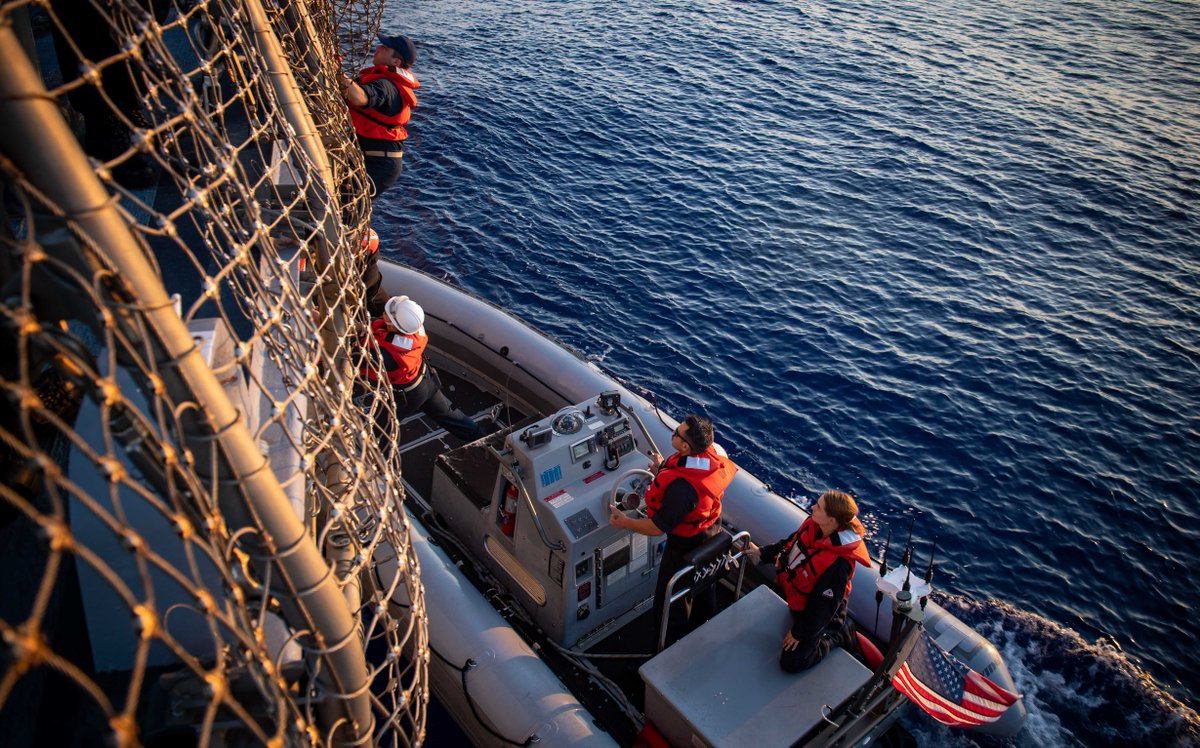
401	45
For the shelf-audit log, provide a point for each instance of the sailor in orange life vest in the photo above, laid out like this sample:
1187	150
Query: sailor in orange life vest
381	99
400	335
814	566
683	501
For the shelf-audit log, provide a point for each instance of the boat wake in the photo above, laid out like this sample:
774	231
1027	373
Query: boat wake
1076	692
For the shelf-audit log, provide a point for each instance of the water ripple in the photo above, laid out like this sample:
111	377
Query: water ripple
943	255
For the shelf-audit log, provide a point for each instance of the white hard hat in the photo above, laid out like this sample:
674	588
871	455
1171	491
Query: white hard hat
404	313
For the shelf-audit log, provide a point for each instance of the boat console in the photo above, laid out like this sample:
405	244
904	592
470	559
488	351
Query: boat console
533	504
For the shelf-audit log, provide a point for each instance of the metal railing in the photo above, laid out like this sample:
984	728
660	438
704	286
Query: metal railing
716	568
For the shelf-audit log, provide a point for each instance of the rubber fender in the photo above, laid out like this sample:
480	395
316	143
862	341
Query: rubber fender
650	737
870	653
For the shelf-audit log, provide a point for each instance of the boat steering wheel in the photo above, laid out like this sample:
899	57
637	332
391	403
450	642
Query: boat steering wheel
634	481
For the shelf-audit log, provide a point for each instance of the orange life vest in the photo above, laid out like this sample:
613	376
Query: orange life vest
709	472
406	349
805	557
371	124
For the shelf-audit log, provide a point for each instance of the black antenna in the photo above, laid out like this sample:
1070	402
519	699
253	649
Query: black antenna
906	559
929	572
929	569
882	573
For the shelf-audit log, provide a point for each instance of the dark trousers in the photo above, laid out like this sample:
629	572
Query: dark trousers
687	614
427	397
376	295
383	172
812	650
106	136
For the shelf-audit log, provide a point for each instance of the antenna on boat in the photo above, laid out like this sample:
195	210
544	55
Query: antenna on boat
929	572
883	570
906	557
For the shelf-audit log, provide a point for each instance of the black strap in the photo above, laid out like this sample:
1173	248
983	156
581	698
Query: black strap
806	561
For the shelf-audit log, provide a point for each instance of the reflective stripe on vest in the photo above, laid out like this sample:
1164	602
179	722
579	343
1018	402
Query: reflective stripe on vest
406	350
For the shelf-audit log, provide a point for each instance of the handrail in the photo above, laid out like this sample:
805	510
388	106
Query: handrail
649	437
672	597
875	691
511	477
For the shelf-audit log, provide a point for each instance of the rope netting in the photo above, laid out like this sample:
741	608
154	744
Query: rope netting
200	528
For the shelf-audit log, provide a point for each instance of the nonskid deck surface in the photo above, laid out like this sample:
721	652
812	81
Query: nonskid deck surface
422	440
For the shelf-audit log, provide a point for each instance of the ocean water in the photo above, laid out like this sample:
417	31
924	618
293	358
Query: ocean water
944	255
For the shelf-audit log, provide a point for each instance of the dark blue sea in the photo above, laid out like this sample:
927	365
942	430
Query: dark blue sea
945	255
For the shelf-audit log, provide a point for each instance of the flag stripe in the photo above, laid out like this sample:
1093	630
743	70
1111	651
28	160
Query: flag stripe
915	688
983	705
984	688
945	712
948	690
936	709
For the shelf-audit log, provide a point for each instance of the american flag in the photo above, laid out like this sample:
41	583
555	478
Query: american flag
951	692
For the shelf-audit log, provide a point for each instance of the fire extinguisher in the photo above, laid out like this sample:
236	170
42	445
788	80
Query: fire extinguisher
508	510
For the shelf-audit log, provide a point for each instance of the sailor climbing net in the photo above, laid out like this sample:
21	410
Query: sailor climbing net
200	533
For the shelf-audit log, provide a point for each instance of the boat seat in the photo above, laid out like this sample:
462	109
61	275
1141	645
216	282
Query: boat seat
710	549
721	685
702	557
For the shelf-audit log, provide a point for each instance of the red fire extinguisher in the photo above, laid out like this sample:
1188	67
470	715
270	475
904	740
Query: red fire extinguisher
508	510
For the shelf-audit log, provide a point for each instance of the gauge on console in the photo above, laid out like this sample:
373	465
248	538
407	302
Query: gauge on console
567	422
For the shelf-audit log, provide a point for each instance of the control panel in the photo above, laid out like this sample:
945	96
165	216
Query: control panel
571	464
578	443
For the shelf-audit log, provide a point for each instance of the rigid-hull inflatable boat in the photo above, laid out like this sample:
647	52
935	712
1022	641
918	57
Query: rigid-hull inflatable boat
539	609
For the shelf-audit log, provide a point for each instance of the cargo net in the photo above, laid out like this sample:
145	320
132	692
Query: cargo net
200	523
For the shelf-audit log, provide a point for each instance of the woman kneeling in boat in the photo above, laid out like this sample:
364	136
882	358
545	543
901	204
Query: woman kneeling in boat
814	566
